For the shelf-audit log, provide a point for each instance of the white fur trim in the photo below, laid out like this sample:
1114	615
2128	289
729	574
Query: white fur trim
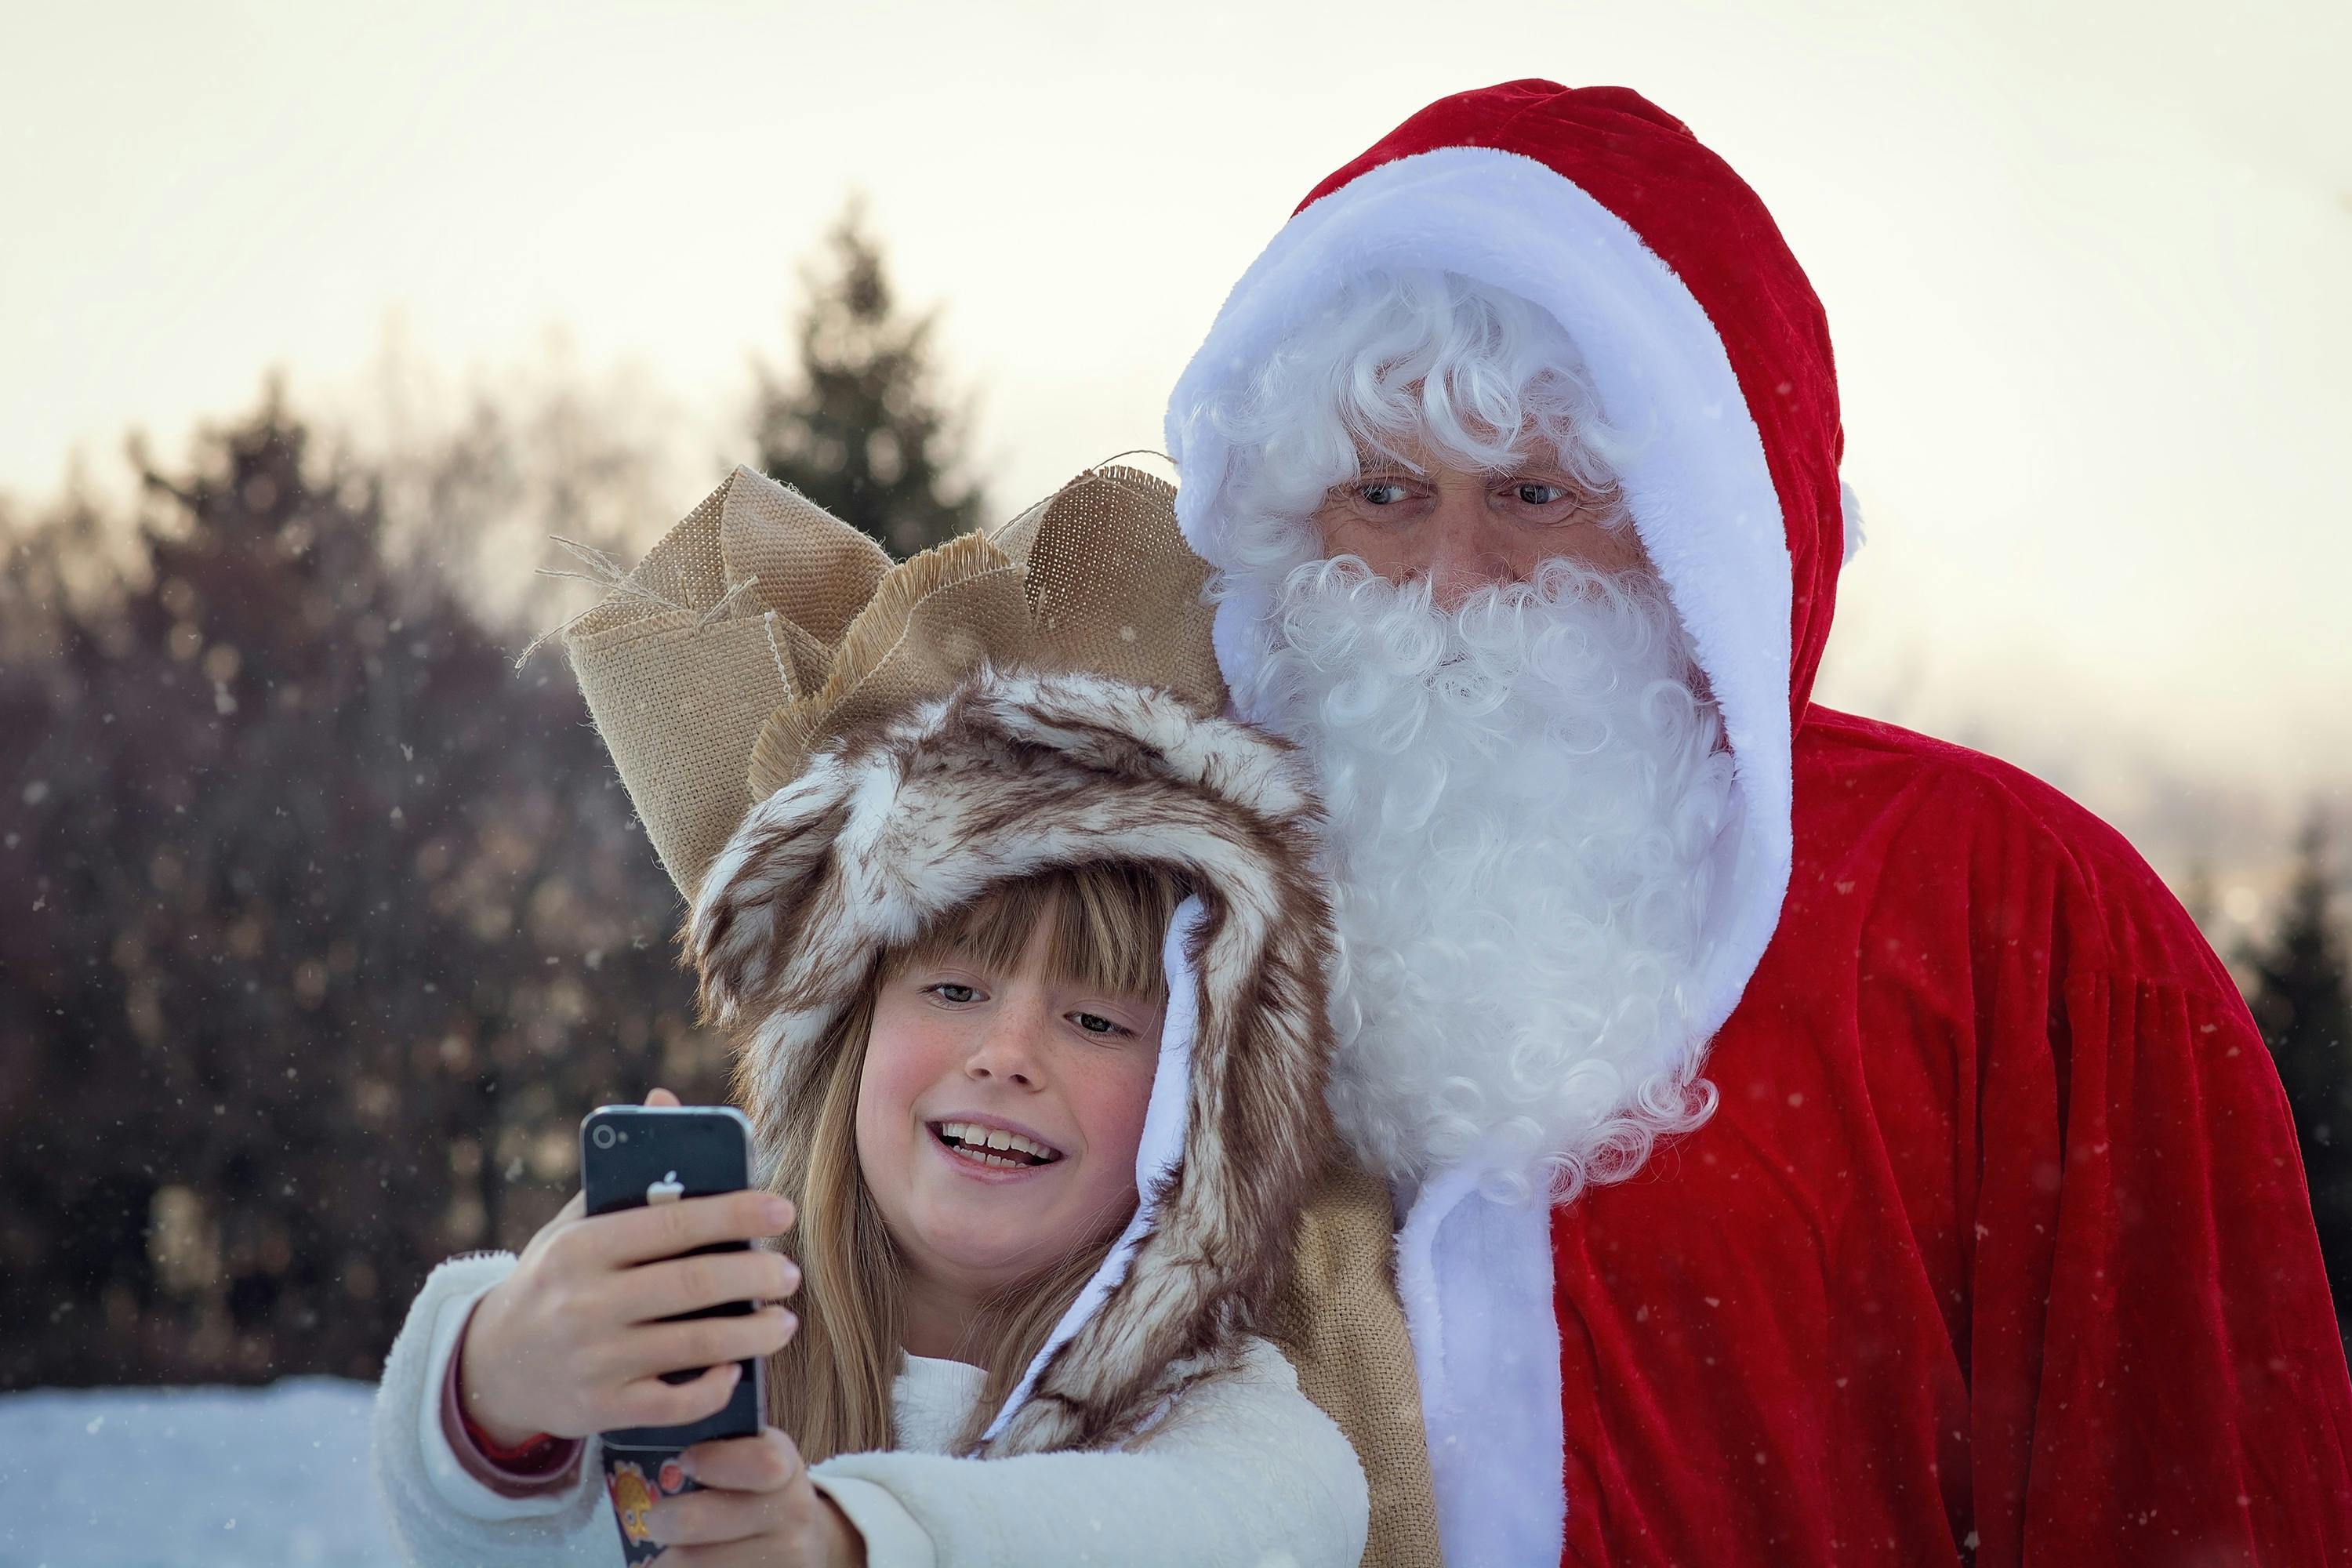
1488	1357
1164	1126
1850	513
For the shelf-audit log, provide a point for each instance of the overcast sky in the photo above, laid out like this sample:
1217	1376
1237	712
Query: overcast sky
2086	265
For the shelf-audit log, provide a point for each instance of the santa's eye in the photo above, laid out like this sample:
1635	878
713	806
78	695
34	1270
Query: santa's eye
1380	492
1535	493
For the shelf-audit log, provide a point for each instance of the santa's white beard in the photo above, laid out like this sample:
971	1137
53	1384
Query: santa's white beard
1525	797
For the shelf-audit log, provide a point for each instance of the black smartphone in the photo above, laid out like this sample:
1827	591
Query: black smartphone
632	1155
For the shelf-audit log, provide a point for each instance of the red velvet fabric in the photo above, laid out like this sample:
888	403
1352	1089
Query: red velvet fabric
1997	1249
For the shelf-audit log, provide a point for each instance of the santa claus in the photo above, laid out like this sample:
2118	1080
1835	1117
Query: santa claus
1812	1142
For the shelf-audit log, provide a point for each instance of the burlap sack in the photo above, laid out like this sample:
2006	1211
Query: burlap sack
1094	578
733	614
760	627
1339	1319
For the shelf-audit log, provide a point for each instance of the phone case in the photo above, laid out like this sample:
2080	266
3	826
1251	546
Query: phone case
631	1155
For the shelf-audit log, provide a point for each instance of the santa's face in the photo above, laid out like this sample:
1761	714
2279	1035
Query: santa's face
1433	581
1411	513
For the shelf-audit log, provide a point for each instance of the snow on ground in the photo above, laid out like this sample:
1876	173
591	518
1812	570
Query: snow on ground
191	1477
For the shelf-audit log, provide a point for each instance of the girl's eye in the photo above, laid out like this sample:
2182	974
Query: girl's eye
1096	1024
950	991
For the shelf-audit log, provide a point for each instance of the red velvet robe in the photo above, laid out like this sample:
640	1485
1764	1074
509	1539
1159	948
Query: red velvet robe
1998	1249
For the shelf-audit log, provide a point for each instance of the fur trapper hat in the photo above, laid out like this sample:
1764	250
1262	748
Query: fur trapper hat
1014	773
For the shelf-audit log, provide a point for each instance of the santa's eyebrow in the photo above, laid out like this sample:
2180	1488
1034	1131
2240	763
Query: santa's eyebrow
1372	455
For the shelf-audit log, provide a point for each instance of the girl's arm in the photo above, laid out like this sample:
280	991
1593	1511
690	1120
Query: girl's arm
1243	1469
440	1511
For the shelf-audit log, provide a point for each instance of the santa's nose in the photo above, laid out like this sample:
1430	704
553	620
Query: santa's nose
1461	555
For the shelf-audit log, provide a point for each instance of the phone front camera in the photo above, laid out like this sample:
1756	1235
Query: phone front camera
603	1137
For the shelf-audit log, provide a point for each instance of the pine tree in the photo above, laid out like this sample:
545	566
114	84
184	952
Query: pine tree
2301	1003
861	428
324	929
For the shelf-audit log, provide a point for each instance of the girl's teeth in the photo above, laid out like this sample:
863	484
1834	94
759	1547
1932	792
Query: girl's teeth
983	1143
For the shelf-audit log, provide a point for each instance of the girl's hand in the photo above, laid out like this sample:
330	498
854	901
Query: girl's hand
756	1508
571	1342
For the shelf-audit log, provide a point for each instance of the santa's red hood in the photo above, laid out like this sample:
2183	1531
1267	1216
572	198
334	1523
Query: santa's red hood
1707	347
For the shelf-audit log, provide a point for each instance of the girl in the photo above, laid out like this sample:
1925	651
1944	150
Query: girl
1030	985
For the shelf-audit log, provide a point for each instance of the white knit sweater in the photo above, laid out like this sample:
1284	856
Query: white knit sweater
1243	1469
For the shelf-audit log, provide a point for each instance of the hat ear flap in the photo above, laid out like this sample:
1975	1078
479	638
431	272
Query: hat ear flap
759	896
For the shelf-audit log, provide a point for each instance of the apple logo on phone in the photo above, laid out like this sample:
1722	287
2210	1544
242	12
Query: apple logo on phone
668	1190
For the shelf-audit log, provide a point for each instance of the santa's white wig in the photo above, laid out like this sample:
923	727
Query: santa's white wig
1524	790
1396	363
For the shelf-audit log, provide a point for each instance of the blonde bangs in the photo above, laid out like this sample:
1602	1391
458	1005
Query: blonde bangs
1109	923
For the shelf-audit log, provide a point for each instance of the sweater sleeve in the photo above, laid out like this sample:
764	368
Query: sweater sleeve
1243	1469
440	1512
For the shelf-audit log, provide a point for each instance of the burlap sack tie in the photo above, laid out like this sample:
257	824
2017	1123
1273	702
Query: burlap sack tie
760	627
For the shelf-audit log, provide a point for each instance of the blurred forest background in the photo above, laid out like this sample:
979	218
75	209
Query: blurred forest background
324	924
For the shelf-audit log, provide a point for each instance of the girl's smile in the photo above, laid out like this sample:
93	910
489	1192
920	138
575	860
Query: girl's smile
981	1144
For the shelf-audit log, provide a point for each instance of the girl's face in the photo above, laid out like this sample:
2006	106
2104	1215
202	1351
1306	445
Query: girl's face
999	1113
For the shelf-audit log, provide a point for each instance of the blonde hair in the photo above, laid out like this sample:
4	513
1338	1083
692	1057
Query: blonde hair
830	1387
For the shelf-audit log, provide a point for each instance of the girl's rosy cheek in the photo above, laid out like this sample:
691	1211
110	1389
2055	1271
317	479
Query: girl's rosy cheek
1116	1107
898	1069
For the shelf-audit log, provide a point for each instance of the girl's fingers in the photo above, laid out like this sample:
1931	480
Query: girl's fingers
651	1349
650	1402
767	1463
712	1517
665	1230
662	1096
656	1290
